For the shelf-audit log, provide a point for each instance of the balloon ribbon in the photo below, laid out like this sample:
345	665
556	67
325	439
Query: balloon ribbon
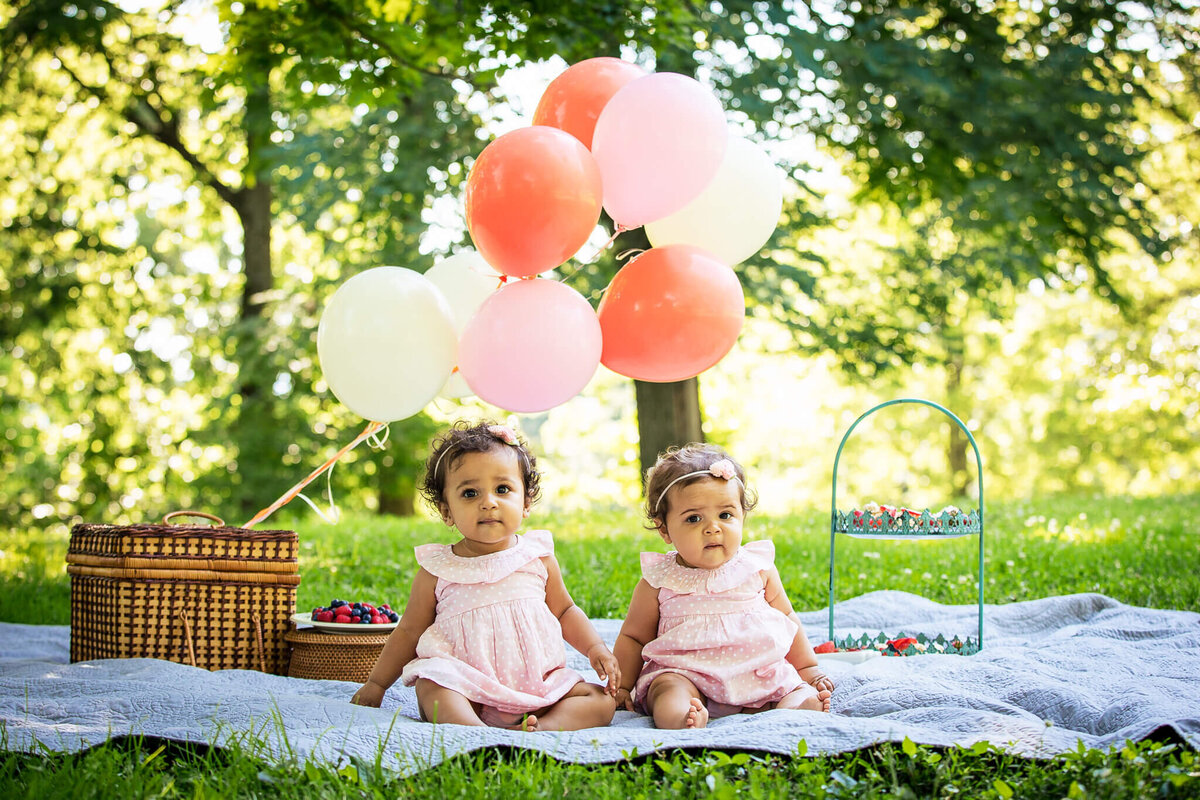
290	494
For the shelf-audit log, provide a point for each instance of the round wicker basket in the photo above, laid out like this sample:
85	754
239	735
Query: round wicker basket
333	656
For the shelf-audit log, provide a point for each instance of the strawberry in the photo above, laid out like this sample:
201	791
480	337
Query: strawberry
902	644
826	647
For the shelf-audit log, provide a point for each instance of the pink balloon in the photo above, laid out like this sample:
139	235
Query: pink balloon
532	345
658	142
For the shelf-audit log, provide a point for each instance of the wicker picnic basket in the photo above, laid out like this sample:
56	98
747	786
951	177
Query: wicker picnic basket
333	656
215	597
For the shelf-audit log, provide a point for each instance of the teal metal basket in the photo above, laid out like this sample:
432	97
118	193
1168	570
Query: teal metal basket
862	524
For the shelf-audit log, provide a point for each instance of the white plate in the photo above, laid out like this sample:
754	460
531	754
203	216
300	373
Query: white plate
848	656
343	627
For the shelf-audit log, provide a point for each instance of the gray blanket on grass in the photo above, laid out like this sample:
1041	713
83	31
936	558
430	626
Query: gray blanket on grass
1053	672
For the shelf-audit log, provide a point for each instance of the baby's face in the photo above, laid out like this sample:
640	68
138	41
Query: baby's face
704	521
484	497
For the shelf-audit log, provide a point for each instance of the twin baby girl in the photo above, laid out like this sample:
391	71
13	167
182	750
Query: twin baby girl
709	632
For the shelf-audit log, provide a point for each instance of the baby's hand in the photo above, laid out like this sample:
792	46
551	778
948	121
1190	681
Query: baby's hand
820	681
606	666
369	694
624	699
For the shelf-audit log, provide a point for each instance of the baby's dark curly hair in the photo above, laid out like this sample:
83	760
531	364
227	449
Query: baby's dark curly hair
465	437
677	461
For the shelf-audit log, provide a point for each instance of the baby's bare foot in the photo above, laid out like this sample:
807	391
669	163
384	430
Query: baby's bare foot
801	700
697	716
529	724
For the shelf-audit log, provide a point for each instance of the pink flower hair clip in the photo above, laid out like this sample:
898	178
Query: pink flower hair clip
723	469
504	434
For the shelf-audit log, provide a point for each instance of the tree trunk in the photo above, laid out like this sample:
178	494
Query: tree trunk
397	486
256	425
668	414
957	445
254	211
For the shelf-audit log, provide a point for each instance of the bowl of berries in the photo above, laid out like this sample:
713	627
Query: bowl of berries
342	616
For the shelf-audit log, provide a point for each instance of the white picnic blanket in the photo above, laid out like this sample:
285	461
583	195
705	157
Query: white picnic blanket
1052	672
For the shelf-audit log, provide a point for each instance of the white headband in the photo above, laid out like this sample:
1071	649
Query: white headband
718	469
501	432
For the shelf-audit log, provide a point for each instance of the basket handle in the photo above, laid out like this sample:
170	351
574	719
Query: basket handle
258	638
262	659
219	523
187	630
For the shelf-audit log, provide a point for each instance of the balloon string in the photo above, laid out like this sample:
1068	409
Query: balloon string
370	431
607	244
334	513
633	251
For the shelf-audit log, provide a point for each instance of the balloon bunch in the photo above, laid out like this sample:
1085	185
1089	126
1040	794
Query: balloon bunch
651	149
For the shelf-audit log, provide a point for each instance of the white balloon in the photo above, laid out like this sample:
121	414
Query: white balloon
466	280
456	388
736	213
387	343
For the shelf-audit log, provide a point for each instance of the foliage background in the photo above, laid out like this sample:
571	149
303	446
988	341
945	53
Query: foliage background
941	240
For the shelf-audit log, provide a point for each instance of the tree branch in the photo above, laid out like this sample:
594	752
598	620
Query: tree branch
349	24
150	122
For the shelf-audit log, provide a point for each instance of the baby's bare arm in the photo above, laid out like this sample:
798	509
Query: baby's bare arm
640	627
401	645
577	629
801	656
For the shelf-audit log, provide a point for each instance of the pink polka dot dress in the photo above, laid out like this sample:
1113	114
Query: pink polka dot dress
494	639
716	628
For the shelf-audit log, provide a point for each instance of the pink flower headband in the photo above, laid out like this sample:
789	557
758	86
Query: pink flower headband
501	432
718	469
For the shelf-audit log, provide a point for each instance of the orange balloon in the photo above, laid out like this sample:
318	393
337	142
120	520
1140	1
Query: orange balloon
670	314
573	101
533	198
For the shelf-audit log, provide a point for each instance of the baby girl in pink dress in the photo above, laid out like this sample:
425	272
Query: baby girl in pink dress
482	635
710	630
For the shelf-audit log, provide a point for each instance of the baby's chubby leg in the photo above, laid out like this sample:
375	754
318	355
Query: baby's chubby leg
804	699
439	704
585	706
675	702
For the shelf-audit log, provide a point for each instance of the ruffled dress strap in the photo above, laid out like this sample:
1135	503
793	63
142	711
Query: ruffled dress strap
441	561
663	570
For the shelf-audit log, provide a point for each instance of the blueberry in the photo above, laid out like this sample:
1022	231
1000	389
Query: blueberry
337	604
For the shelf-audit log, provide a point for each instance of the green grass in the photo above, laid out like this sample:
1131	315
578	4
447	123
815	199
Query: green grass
1139	551
136	768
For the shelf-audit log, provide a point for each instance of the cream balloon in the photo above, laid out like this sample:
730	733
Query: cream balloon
387	343
736	213
466	280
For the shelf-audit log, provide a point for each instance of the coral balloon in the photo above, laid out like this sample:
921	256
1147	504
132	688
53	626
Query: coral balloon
465	280
736	213
533	197
386	342
531	346
573	101
670	314
658	142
